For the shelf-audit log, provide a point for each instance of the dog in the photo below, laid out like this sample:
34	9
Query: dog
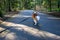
35	18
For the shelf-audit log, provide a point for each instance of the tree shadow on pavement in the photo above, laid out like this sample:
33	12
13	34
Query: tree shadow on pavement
19	33
24	32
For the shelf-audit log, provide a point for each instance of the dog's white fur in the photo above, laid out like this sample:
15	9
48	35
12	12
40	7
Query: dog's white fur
38	18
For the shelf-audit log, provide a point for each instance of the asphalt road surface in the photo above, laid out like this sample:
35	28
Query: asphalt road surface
20	27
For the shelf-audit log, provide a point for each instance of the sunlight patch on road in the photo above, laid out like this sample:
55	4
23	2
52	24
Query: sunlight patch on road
53	18
3	34
10	36
1	28
33	31
25	16
20	16
13	36
27	10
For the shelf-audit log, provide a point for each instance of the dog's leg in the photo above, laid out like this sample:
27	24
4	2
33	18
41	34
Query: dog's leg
35	22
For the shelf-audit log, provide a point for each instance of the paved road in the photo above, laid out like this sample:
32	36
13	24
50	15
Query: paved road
20	27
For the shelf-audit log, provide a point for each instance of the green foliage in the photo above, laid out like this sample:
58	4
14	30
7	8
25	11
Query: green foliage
51	5
14	5
1	8
1	14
